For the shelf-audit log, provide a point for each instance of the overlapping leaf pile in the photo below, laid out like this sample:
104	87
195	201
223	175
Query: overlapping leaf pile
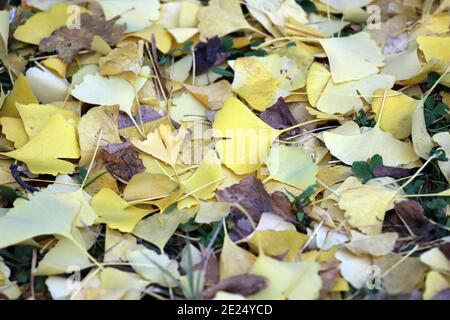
254	149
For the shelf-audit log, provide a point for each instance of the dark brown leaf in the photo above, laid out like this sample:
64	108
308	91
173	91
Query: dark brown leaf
385	171
252	196
279	116
69	42
122	161
243	284
410	212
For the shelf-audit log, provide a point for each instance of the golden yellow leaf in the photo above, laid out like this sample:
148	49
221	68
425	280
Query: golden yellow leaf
434	283
230	15
14	131
366	206
396	114
56	65
247	139
318	77
42	24
234	260
115	212
434	47
149	186
287	280
286	243
43	152
162	144
262	80
36	116
21	93
97	119
206	179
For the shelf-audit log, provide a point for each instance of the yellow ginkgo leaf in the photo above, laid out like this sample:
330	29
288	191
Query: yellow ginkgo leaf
274	243
115	212
182	34
377	245
205	180
35	116
159	228
360	49
42	214
124	62
43	152
318	77
291	165
247	139
137	14
4	33
262	80
149	186
210	211
421	139
157	268
162	37
399	280
396	113
287	280
42	24
162	144
349	143
117	244
234	260
61	258
434	283
187	109
436	259
434	47
14	131
212	96
346	97
21	93
96	120
99	90
366	206
56	65
230	15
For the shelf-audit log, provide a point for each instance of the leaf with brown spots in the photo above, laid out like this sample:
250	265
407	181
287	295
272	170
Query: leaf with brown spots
122	161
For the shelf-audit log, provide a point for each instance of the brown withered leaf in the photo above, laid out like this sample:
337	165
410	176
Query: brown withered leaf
412	213
243	284
122	161
69	42
252	196
385	171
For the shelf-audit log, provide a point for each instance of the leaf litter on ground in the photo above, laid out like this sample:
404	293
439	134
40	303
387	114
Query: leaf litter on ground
224	150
